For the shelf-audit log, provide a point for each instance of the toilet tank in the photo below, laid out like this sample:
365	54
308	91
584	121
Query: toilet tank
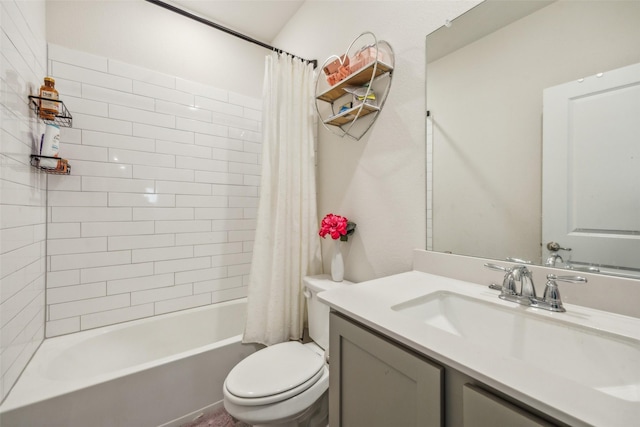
318	311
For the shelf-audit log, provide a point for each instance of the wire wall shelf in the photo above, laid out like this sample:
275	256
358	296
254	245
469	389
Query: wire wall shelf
62	119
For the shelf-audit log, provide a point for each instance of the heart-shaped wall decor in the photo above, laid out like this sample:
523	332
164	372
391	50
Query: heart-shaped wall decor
353	87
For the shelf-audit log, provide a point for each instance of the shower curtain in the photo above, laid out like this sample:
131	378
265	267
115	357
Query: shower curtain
287	245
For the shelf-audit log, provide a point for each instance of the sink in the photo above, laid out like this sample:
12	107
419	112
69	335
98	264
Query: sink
603	361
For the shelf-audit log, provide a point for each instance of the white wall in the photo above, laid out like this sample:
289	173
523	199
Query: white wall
177	104
140	33
158	213
22	189
379	181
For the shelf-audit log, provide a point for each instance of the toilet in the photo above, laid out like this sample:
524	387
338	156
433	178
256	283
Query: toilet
287	384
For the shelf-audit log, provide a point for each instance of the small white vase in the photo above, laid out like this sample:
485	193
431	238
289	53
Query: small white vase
337	263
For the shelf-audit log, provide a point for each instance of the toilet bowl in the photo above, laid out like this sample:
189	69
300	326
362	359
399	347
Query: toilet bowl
272	390
286	384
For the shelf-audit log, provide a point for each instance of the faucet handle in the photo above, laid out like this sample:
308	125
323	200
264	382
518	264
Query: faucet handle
518	260
586	268
497	267
509	281
570	279
552	294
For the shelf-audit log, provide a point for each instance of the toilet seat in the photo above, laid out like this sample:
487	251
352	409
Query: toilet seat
284	411
274	374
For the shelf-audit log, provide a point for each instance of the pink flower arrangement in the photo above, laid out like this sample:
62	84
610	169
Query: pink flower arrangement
338	227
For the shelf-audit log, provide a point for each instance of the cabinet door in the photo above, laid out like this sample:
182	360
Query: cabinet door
482	409
376	383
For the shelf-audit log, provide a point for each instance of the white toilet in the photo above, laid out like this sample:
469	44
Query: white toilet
286	384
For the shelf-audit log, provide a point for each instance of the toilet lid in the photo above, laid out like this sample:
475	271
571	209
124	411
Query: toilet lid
274	370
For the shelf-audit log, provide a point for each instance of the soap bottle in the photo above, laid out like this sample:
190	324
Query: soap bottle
49	109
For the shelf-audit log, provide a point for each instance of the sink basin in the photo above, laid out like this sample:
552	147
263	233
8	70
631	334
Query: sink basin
603	361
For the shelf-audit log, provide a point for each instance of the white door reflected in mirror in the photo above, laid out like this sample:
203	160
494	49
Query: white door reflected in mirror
591	173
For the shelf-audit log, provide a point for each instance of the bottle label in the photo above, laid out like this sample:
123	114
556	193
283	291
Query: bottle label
48	105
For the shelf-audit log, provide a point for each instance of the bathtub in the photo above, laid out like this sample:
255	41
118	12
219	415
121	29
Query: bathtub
159	371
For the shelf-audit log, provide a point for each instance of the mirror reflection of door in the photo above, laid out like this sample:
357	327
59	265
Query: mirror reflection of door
591	173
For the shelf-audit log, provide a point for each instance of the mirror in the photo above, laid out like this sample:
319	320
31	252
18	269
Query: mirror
486	73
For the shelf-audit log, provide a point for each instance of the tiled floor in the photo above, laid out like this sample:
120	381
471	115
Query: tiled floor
219	418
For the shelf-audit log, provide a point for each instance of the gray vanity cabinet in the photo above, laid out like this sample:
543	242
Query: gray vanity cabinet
376	383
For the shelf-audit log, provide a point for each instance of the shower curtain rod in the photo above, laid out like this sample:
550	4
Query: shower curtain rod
226	30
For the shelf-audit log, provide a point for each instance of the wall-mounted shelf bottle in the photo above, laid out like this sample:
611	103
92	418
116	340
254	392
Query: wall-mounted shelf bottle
62	118
368	86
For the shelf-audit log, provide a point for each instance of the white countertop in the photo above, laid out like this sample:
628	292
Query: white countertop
370	304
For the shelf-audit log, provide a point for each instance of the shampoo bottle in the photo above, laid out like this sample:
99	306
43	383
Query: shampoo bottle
50	146
49	107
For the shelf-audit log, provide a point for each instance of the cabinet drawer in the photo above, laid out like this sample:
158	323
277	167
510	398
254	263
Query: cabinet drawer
482	409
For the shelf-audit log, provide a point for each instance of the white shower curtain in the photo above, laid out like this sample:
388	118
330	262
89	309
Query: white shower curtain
287	245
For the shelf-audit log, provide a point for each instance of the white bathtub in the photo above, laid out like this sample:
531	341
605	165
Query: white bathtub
150	372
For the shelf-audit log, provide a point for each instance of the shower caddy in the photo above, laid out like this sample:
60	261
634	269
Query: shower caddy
62	119
374	77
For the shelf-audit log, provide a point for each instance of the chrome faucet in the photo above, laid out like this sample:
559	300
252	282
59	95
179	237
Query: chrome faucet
527	296
552	259
526	282
513	275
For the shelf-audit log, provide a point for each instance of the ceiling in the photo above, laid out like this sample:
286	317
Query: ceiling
259	19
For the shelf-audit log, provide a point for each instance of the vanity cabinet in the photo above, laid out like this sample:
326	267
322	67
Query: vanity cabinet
377	382
374	382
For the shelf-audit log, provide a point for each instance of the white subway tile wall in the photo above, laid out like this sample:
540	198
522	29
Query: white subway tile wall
23	196
158	214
